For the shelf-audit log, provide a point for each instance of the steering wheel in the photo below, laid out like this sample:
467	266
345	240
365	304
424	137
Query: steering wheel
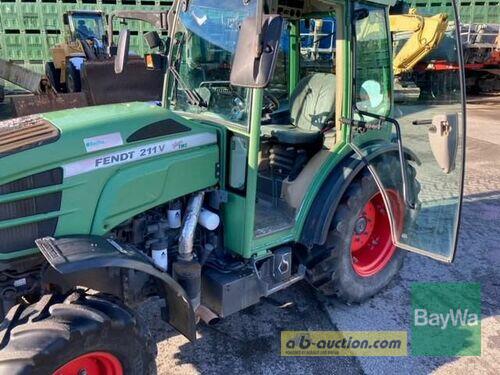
271	102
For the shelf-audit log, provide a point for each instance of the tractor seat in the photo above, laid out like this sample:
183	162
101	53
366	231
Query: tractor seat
312	106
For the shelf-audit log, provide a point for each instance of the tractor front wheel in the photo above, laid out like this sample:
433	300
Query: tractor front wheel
79	334
359	258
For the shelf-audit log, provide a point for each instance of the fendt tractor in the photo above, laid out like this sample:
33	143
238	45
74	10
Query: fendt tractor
251	174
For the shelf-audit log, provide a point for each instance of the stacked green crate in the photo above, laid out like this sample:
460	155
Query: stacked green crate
470	11
29	28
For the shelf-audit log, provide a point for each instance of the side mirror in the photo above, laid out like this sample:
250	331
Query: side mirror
152	39
249	69
122	51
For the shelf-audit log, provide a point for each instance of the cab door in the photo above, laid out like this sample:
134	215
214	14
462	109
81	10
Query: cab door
420	109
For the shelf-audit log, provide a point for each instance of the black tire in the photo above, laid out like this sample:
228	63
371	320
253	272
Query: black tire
73	79
54	75
41	338
331	268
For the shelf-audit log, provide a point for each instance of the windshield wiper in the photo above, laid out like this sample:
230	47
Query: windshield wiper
193	97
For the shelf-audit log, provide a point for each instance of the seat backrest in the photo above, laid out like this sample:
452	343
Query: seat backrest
312	103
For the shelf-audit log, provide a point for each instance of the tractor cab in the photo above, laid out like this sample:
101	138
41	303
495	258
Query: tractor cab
88	26
297	94
85	40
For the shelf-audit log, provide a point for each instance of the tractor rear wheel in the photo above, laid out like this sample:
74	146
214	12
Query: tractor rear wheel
359	258
79	334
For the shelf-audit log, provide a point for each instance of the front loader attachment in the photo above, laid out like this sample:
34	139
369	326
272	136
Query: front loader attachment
100	85
103	86
34	104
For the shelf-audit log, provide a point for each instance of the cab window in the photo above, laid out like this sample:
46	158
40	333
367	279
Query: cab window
317	45
372	63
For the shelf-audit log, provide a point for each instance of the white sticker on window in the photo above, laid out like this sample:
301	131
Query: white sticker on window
138	153
102	142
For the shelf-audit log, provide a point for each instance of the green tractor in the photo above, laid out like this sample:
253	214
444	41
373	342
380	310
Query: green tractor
257	170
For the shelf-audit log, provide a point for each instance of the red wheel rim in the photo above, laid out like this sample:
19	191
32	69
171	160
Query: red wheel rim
371	242
96	363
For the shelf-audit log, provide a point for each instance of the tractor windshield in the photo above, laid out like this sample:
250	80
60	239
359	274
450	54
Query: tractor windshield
206	39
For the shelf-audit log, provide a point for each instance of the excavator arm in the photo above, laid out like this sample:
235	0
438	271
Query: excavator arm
427	33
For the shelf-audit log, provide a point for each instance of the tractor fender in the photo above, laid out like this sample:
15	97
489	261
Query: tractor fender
320	215
89	260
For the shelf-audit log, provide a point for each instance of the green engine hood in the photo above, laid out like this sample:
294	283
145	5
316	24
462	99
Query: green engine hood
91	130
97	168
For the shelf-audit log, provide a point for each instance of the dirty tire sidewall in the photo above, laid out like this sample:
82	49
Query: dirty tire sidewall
92	324
332	273
350	286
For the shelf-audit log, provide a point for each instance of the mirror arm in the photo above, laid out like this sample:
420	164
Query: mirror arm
258	21
409	201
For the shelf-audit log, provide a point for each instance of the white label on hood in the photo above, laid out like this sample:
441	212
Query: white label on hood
102	142
130	155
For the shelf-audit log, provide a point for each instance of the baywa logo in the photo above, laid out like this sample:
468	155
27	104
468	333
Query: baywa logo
94	143
453	317
446	319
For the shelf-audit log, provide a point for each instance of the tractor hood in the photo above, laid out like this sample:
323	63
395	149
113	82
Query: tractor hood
85	171
55	139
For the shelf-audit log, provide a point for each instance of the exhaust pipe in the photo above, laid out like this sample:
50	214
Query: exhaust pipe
186	239
186	270
207	315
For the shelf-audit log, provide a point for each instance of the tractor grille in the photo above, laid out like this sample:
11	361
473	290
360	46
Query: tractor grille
30	206
21	237
25	132
35	181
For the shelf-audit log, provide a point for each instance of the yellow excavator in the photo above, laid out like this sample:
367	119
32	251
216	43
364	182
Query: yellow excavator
425	35
414	37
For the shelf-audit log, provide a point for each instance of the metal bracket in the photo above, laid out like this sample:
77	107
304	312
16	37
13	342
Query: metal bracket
360	126
266	289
